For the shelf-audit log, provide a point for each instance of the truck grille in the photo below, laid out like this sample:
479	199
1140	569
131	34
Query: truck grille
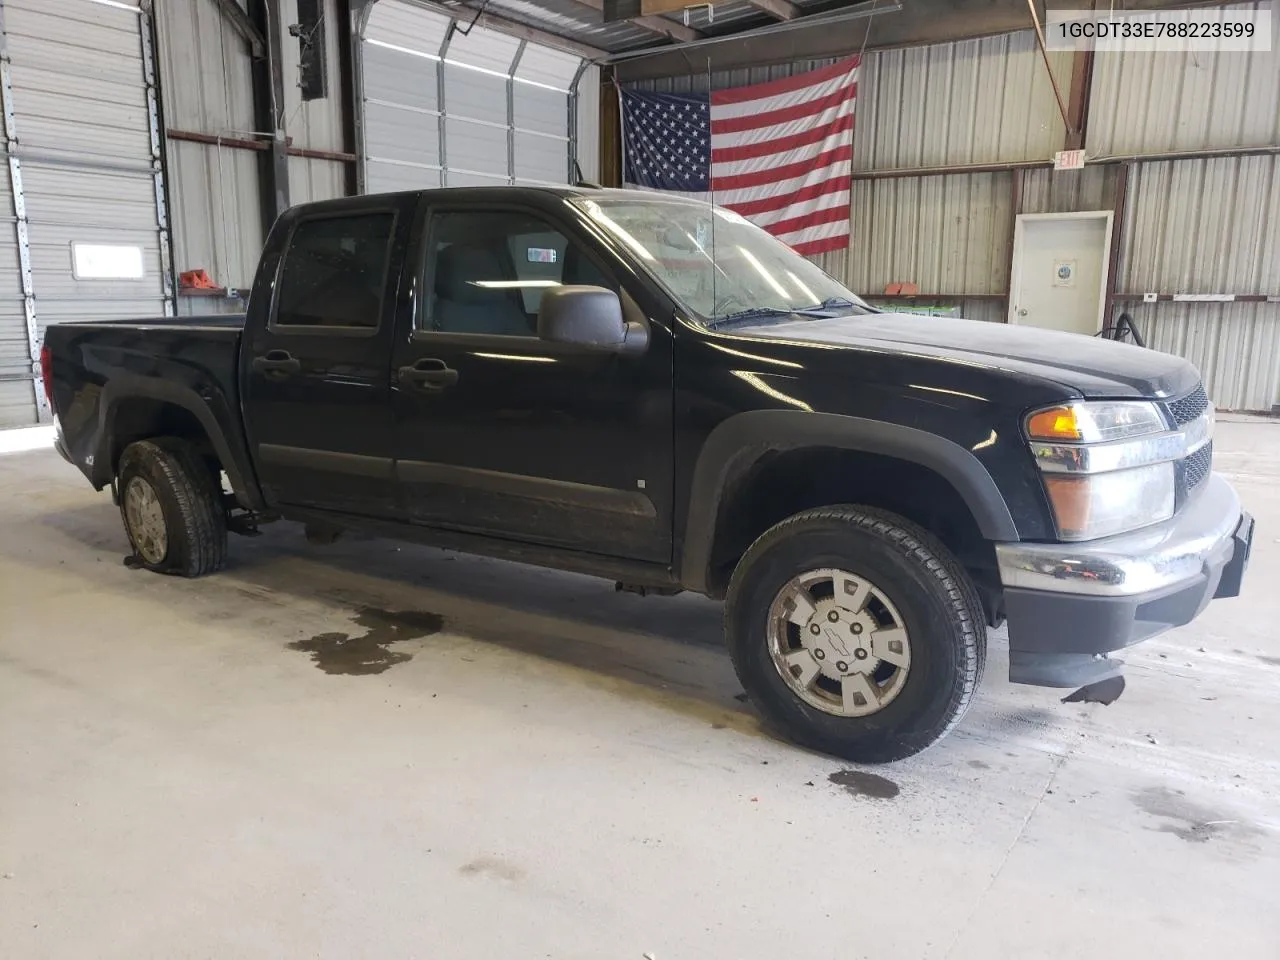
1194	470
1189	407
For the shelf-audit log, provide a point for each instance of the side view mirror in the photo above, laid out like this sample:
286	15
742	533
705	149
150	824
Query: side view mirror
590	317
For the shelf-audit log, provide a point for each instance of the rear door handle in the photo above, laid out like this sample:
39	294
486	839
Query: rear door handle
276	364
429	374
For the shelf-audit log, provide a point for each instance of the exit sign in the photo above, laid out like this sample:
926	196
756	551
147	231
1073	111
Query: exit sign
1068	160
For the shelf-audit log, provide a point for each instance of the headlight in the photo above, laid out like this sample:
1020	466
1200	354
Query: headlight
1108	466
1095	422
1086	507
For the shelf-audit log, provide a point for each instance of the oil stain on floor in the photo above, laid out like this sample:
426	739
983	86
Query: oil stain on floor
1188	820
859	783
368	653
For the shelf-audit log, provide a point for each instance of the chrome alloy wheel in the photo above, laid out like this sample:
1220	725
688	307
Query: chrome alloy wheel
839	643
145	518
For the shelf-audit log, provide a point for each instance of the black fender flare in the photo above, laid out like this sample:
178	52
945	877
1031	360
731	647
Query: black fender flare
737	443
123	387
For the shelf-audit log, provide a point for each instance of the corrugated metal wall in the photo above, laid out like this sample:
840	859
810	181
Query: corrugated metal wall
313	124
1203	226
1210	227
1160	102
217	213
977	101
462	106
206	71
1193	226
947	234
1044	190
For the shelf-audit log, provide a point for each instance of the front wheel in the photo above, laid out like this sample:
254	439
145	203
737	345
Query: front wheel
856	632
171	507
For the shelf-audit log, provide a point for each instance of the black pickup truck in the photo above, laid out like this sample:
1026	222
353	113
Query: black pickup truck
652	391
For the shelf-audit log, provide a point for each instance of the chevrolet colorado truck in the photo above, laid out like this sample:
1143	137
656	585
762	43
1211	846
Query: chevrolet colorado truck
657	392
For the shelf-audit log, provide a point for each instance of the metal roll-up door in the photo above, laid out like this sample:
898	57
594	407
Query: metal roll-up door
450	104
82	124
17	371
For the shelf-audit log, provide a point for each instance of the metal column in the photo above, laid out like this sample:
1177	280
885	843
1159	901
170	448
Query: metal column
157	161
279	142
360	10
444	50
511	111
20	216
575	170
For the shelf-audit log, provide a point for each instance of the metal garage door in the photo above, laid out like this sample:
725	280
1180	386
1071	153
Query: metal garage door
457	105
84	196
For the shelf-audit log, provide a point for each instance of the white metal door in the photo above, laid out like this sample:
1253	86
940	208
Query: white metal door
1060	270
85	196
458	105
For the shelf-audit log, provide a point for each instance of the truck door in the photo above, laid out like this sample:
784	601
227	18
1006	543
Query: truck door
502	434
316	364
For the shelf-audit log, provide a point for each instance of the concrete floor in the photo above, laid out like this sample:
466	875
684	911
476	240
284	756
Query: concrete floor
542	768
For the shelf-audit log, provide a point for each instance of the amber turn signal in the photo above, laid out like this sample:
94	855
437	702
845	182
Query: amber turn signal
1056	423
1072	504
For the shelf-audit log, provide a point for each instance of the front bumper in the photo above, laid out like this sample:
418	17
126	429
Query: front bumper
1068	604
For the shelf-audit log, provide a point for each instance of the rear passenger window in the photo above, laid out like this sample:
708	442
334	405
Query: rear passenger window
335	272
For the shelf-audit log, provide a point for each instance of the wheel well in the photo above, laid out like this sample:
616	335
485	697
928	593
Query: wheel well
140	418
784	483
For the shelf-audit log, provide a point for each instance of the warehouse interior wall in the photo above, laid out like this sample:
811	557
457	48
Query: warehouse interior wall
954	140
206	88
494	109
214	141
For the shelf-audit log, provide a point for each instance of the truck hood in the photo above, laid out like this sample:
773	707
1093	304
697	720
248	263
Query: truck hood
1093	366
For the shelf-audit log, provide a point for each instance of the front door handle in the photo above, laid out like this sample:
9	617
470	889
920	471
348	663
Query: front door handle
431	375
276	364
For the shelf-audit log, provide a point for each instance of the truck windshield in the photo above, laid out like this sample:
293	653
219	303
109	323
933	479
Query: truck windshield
720	266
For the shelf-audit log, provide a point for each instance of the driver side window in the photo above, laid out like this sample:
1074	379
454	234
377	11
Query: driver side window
487	272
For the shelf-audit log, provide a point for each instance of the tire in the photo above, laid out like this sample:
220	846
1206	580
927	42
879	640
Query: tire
912	578
164	483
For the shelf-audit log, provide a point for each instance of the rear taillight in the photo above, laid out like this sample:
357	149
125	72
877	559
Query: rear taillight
46	373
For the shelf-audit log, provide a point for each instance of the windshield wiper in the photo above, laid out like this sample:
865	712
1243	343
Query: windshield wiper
755	313
831	303
817	311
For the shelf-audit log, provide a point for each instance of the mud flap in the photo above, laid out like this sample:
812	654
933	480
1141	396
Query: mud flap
1105	692
1061	669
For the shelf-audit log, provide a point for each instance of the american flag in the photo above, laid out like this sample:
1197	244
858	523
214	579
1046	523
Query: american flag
779	153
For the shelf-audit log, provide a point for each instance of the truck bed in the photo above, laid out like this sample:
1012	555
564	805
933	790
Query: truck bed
155	365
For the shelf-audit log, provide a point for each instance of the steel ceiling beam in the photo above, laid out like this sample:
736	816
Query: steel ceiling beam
860	12
781	9
654	24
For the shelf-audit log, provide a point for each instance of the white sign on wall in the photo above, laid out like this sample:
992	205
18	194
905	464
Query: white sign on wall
106	261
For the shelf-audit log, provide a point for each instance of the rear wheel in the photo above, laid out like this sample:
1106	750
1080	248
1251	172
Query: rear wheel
856	632
172	511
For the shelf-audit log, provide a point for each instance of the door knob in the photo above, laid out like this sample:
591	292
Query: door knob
1022	311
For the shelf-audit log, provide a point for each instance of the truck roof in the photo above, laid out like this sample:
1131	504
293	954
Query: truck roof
503	192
